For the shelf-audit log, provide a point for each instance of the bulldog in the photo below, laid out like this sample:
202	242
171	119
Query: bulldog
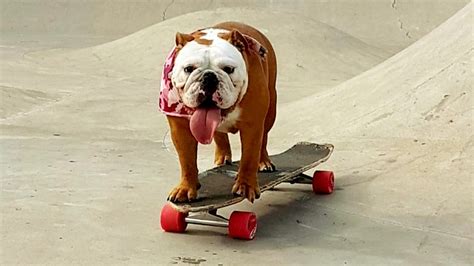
215	81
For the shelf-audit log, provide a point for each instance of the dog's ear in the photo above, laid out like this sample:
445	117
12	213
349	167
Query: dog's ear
238	40
255	46
182	39
246	43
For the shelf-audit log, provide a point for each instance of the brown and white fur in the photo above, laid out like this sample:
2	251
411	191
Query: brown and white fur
245	94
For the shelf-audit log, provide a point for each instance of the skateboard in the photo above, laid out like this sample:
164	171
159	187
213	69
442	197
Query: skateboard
216	185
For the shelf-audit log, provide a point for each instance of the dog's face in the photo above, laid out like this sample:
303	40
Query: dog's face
209	69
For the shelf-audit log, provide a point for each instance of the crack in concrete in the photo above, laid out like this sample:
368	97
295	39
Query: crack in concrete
422	243
464	149
440	71
384	221
407	33
324	232
163	16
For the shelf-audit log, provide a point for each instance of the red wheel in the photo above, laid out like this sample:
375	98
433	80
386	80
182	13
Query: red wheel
242	225
172	220
323	182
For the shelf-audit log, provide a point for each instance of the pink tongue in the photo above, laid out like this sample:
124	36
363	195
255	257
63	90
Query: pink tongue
203	124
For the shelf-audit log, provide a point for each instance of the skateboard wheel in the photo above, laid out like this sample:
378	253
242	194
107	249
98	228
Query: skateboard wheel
242	225
323	182
172	220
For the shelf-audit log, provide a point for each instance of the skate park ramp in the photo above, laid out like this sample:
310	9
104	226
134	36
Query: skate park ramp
87	163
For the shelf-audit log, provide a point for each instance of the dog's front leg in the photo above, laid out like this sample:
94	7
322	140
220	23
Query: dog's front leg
186	146
246	183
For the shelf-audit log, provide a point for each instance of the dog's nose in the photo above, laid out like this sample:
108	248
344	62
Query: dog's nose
209	82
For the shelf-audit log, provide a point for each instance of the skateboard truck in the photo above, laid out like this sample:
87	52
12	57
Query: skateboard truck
203	219
322	181
241	225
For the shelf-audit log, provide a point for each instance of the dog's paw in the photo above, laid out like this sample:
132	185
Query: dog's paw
223	159
183	193
245	189
266	166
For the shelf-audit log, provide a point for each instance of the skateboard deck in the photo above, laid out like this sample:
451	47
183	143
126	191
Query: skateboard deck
216	183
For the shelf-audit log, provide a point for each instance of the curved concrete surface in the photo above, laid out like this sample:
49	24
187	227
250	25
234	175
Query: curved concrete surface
87	163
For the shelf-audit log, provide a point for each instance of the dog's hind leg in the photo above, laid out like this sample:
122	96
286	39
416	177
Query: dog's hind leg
265	164
223	153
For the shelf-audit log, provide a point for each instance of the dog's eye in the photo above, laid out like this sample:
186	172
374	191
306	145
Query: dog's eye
228	69
189	69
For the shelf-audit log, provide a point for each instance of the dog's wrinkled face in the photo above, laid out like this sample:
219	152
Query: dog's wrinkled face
210	71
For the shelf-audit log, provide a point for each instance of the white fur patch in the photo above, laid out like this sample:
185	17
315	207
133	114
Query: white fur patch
229	121
212	34
214	57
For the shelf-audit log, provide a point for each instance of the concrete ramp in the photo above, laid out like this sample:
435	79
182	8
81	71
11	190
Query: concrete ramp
87	163
423	91
403	133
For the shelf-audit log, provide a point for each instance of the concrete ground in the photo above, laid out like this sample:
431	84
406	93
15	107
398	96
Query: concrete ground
87	162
